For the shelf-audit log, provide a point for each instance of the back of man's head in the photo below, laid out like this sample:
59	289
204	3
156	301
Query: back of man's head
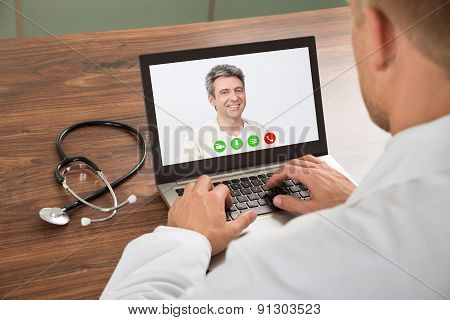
426	24
402	50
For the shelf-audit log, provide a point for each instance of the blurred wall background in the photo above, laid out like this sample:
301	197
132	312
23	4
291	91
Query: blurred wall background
76	16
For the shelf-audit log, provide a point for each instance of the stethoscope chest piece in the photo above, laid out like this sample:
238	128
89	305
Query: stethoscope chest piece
54	216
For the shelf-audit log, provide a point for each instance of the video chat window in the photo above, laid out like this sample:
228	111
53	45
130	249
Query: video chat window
230	105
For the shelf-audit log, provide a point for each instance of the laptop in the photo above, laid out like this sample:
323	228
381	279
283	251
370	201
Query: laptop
236	113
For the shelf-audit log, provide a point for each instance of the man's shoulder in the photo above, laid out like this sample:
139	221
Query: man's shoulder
211	122
254	124
207	126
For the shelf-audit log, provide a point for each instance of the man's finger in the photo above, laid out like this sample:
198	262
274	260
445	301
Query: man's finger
293	172
224	193
279	176
240	223
204	184
311	158
303	163
290	203
189	187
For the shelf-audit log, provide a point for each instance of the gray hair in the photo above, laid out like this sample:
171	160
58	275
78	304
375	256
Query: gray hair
222	70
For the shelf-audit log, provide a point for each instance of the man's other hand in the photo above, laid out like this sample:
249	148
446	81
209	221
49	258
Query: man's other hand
328	188
202	209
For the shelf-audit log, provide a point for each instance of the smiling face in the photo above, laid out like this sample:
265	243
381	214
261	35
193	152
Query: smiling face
229	99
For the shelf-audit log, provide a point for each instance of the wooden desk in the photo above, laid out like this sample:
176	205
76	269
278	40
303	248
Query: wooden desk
48	84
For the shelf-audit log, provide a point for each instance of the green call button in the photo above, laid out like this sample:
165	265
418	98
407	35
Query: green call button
236	143
219	146
253	141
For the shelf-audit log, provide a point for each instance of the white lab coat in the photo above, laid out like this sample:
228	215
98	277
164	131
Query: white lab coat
390	240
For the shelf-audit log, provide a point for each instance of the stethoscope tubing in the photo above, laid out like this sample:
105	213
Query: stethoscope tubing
65	158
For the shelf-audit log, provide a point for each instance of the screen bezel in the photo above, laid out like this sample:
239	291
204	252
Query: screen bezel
188	170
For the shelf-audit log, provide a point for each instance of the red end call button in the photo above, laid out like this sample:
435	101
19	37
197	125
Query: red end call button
269	137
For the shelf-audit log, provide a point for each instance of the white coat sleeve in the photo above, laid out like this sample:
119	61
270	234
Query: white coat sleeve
150	266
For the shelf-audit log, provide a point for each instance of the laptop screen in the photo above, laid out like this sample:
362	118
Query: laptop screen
217	109
228	105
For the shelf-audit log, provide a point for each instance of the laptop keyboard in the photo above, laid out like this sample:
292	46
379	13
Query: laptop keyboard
252	193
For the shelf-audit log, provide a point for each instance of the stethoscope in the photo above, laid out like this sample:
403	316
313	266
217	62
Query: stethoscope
59	216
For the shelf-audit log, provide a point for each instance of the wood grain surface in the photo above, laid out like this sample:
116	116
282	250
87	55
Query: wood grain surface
48	83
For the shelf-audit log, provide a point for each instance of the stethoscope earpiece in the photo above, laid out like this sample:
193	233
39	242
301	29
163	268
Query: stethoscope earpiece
85	221
132	199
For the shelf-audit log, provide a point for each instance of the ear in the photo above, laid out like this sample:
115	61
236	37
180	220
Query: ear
381	42
212	100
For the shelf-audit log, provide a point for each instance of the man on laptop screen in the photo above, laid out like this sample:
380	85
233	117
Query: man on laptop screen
228	132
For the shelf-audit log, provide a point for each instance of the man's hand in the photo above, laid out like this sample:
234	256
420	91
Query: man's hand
328	188
202	209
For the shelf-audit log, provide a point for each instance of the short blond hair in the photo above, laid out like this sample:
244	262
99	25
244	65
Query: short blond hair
427	22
